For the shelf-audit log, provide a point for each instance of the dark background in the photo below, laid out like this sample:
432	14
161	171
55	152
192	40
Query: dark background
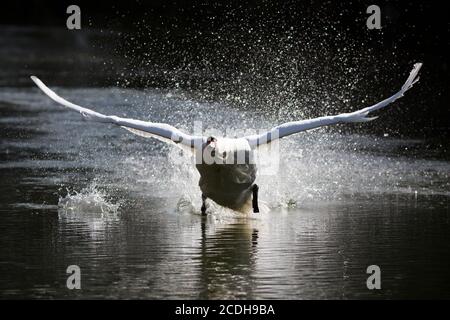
293	58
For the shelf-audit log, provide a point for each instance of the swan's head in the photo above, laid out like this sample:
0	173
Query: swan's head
226	150
211	141
211	145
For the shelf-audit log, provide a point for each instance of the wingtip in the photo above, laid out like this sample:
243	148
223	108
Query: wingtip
34	78
38	83
417	66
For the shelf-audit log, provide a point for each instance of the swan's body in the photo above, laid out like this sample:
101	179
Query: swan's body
226	166
228	180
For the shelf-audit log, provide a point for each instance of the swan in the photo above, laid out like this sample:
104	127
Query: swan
227	172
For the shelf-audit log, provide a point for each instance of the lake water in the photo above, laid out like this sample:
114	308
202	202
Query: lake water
120	207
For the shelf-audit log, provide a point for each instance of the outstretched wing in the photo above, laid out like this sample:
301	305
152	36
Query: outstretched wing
160	131
289	128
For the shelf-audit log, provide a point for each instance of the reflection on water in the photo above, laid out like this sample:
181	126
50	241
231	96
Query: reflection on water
227	261
110	202
313	252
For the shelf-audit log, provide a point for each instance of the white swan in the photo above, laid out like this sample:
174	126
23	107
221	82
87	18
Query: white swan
227	173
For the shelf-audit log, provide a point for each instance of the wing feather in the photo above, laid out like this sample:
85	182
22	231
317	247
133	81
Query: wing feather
161	131
289	128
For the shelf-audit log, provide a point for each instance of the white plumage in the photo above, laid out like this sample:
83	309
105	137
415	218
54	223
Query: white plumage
227	172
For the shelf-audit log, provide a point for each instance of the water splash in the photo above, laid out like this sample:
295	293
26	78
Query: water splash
90	202
322	164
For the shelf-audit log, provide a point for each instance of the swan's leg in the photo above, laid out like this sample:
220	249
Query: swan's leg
203	205
255	237
255	198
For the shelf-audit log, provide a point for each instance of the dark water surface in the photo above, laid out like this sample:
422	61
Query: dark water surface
120	207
